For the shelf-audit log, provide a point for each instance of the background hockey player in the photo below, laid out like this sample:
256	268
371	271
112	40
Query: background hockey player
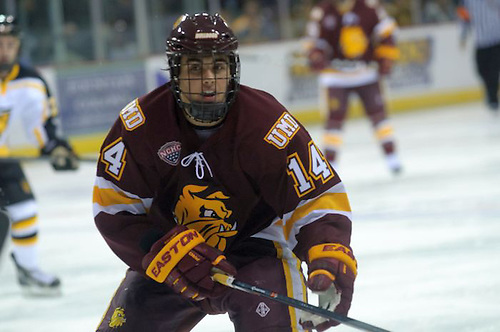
206	173
351	44
25	98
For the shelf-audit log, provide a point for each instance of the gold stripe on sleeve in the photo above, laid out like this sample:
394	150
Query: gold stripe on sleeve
107	197
328	201
23	224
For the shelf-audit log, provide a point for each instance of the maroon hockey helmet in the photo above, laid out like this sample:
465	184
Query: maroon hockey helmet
204	35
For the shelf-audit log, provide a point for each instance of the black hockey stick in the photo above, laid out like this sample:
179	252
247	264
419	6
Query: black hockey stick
4	227
230	281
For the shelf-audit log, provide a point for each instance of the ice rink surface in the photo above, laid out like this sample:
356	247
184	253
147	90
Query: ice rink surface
427	241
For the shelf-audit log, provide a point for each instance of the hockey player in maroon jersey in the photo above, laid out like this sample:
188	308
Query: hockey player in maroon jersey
351	44
204	173
25	99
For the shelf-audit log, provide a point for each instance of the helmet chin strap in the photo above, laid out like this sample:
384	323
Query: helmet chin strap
205	112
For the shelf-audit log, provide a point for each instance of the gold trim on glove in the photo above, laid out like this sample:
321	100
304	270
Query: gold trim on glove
336	251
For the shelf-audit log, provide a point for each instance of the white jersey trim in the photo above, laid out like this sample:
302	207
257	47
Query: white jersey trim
350	79
141	207
22	210
276	232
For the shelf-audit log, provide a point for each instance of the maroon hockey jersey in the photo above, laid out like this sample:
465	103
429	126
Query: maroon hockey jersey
259	178
363	33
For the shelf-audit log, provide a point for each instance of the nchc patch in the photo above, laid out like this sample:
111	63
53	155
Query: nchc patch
170	153
118	318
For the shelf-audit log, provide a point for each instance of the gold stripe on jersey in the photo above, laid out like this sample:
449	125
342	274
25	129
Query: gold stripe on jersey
291	267
39	138
384	132
13	74
332	140
4	120
4	151
29	241
53	110
23	224
107	197
25	84
111	199
328	201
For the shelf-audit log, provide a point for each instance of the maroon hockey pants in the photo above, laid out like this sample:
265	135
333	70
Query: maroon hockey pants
373	104
143	305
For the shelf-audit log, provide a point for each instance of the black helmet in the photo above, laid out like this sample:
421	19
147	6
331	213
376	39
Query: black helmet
8	25
206	35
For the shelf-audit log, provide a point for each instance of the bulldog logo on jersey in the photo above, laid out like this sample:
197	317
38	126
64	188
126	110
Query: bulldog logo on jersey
170	153
205	211
353	41
118	318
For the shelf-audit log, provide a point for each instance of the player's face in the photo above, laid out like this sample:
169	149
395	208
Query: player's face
204	79
9	47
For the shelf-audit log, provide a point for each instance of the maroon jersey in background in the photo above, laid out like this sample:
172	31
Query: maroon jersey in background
259	176
351	45
364	33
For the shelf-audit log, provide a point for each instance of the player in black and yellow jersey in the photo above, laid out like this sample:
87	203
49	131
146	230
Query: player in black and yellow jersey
26	101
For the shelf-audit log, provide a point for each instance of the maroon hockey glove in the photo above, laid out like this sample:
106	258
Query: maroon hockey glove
332	269
384	66
182	260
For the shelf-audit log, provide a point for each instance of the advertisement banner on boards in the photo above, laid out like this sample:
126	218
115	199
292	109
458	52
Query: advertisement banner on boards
90	98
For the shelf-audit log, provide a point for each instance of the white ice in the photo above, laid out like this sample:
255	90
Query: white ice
427	242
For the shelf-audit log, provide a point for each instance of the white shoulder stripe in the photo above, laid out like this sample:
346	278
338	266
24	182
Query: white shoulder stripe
136	205
117	208
102	183
276	231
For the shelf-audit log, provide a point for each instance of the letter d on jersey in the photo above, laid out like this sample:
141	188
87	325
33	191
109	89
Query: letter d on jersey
132	116
173	251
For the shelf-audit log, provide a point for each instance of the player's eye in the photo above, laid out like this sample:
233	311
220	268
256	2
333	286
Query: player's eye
194	68
220	66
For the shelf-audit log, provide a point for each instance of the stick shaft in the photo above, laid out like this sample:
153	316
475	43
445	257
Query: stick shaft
42	158
239	285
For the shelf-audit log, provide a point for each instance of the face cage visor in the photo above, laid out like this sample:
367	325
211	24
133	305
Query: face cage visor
205	84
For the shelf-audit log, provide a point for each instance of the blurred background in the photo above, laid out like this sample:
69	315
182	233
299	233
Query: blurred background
60	32
97	55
